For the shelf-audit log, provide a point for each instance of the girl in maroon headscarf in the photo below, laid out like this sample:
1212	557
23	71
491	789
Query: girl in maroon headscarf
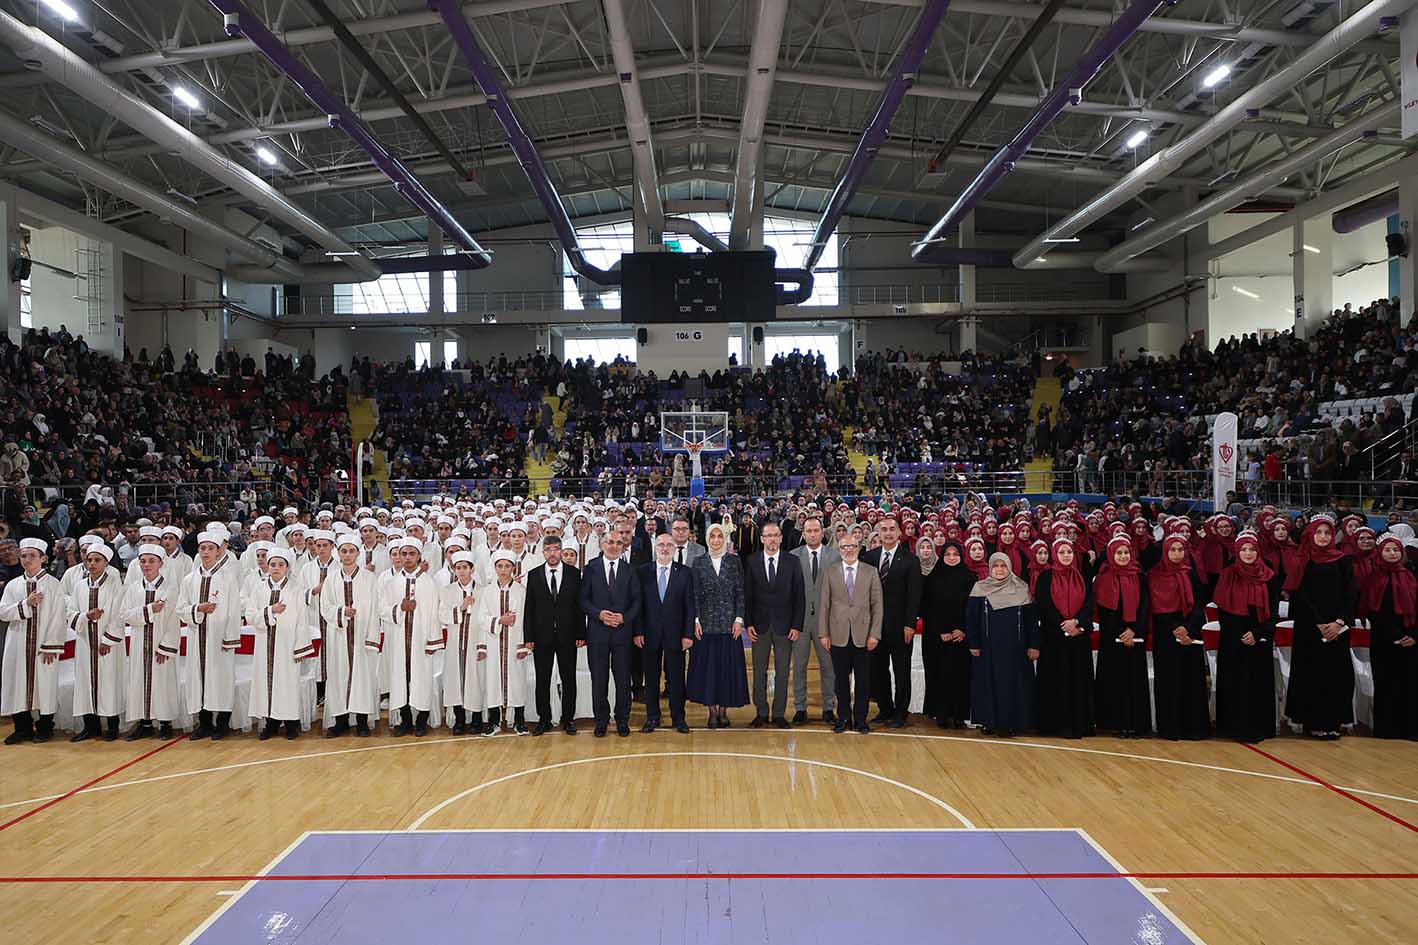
1275	543
1388	597
1365	556
1323	595
1217	549
976	559
1247	596
1120	598
1148	554
1178	607
1010	548
1065	664
1038	563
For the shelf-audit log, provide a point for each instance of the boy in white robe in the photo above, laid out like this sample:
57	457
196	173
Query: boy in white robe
373	556
150	608
502	647
408	608
210	601
99	652
263	530
350	615
462	678
275	610
178	564
444	575
33	605
311	578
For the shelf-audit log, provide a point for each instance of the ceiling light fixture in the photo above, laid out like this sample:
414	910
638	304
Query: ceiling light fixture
1246	292
1215	76
1311	249
62	10
1136	139
266	155
192	102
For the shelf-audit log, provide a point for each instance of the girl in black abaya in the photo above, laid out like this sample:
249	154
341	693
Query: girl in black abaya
1065	666
1247	597
945	587
1124	700
1178	605
1388	597
1322	601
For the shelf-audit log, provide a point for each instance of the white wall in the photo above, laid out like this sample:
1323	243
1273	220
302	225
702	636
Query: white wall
54	295
690	348
1364	245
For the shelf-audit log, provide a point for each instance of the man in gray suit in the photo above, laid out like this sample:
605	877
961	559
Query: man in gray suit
816	560
686	548
849	625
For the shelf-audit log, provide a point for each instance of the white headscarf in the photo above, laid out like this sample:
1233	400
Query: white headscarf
1009	591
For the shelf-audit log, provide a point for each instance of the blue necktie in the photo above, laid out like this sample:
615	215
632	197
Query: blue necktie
664	580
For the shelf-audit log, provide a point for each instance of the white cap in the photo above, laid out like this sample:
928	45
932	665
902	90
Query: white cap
467	556
348	538
100	549
38	544
504	555
156	550
174	531
210	538
285	554
263	520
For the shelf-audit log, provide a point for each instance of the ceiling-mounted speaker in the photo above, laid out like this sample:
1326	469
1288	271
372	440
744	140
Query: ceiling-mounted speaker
1397	244
758	334
20	269
642	336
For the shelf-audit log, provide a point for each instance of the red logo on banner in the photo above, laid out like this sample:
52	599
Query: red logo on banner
1225	450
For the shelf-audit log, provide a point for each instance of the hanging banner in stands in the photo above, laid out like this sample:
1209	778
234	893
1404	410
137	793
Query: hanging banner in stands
1223	458
1408	87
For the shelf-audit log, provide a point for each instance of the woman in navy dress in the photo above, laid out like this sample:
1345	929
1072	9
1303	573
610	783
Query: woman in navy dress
718	672
1002	631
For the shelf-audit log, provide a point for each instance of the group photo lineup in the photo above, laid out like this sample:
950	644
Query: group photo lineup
719	471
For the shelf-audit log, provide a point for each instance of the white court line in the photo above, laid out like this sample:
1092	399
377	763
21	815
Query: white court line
228	892
1158	889
965	821
231	899
1137	884
982	742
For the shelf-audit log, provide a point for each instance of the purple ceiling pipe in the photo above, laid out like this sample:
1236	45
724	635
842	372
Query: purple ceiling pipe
1085	71
239	21
1377	207
485	74
902	79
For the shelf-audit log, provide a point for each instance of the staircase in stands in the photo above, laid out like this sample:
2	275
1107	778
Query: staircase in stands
1038	473
364	419
856	457
539	474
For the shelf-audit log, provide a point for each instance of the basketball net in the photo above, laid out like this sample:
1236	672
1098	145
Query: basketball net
696	471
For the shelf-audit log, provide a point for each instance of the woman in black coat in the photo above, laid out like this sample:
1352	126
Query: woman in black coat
1124	701
1388	597
945	588
1247	599
718	673
1178	606
1065	605
1322	601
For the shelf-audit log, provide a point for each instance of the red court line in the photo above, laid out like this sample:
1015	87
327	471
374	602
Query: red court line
465	877
1338	790
83	787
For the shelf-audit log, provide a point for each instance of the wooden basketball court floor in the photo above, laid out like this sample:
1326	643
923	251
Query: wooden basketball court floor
729	836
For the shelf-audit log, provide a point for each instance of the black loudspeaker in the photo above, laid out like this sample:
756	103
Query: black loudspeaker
1397	244
20	269
758	335
641	336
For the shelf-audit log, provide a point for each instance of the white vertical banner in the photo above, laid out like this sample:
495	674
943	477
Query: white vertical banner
1223	458
1408	77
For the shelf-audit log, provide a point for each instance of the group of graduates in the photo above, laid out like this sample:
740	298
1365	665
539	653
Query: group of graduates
1007	600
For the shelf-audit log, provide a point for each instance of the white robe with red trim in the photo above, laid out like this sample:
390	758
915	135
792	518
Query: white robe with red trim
212	639
27	683
462	677
410	638
350	644
100	680
282	642
504	670
152	691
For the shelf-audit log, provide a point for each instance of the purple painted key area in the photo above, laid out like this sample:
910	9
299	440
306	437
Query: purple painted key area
701	911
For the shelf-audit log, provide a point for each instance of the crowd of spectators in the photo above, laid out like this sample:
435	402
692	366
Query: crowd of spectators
85	434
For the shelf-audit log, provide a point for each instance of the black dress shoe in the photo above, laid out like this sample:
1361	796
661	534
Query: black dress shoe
648	727
840	726
14	738
758	722
266	733
829	717
713	722
569	728
896	723
781	723
166	733
43	734
800	717
882	716
400	730
864	729
420	728
292	733
219	733
725	723
541	729
141	730
682	728
81	736
460	727
622	729
600	730
199	733
362	730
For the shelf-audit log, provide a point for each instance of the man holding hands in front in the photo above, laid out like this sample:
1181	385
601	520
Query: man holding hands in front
610	598
849	616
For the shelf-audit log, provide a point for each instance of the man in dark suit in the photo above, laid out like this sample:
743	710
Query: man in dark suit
773	597
555	626
900	573
665	632
610	599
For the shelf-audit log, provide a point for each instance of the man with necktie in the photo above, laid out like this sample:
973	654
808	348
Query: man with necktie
555	628
686	548
814	560
900	574
849	615
773	595
665	632
610	599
